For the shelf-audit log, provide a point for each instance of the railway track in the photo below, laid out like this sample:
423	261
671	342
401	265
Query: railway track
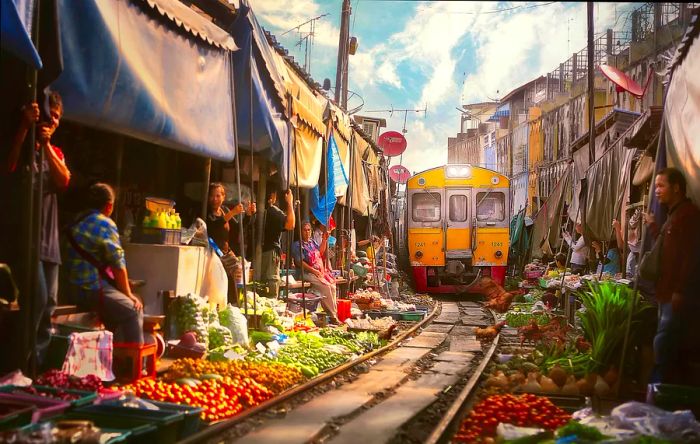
412	390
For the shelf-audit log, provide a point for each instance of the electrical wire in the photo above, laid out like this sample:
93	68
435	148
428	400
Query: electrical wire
494	11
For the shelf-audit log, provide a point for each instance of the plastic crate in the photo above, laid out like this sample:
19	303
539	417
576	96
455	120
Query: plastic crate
158	236
191	415
140	430
121	435
296	301
45	407
412	315
15	414
84	397
168	423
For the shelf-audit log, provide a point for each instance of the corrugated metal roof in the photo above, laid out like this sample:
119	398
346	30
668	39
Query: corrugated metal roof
193	23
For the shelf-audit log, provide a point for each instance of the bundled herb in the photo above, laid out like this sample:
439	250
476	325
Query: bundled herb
608	306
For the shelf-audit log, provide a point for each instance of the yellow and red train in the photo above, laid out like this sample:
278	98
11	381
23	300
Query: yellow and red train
457	224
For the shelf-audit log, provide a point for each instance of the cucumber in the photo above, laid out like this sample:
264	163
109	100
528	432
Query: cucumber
210	376
189	381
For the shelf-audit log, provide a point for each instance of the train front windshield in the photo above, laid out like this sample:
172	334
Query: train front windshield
426	207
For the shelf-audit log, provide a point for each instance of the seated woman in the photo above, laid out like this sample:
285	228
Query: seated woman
97	268
315	272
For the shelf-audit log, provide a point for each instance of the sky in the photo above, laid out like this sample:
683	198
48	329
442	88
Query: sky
437	55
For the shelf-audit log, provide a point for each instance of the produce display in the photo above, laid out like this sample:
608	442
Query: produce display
519	319
58	393
219	336
220	398
191	317
59	379
525	410
274	376
360	342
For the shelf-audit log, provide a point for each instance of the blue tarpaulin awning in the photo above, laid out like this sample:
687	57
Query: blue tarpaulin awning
15	27
270	128
498	114
161	77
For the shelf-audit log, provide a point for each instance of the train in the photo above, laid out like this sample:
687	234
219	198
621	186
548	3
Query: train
457	228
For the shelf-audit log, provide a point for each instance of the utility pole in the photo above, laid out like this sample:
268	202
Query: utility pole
341	73
591	90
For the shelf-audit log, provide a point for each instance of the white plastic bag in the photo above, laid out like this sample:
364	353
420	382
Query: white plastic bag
232	318
90	353
214	281
649	420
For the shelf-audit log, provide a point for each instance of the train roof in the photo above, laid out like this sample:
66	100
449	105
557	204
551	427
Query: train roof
443	167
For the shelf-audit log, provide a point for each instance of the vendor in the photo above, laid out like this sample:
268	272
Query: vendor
97	268
218	216
579	253
315	272
608	262
374	247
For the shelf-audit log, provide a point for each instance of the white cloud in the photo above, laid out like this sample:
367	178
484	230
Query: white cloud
283	15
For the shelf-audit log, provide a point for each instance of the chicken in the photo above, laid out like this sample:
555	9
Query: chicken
501	303
582	345
490	332
530	332
386	334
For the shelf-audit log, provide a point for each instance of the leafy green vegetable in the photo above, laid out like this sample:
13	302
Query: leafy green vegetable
583	432
608	307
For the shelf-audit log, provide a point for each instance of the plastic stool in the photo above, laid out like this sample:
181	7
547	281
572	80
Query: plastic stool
344	309
131	362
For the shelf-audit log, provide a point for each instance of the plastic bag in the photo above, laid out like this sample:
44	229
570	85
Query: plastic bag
214	281
16	378
90	353
232	318
649	420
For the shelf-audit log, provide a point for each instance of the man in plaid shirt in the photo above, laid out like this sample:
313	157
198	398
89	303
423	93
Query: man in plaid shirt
95	242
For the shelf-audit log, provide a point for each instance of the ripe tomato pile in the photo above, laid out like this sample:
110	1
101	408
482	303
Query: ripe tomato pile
525	410
275	376
220	398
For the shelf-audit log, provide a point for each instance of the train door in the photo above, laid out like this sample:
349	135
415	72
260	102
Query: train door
425	236
457	223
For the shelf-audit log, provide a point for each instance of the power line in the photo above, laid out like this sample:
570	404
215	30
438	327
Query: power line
495	11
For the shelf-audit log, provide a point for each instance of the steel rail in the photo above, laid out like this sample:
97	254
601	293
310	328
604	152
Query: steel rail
224	425
443	427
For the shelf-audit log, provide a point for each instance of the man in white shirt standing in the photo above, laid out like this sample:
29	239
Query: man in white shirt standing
579	251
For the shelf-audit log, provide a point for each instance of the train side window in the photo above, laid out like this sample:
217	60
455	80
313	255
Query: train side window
458	208
426	207
491	207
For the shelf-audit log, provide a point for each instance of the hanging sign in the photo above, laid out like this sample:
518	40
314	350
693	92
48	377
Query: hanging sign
393	143
399	174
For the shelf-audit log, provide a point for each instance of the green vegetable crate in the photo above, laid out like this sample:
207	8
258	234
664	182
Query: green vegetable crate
191	421
165	424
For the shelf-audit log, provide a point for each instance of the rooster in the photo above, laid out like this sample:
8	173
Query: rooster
582	345
530	332
490	332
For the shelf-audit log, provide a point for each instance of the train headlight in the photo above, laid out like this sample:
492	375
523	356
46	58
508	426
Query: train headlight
499	254
461	171
419	254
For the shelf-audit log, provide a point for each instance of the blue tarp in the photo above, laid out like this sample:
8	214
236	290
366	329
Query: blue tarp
129	70
15	27
322	205
270	129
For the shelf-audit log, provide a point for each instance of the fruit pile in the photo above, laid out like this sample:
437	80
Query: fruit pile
220	398
59	379
274	376
525	410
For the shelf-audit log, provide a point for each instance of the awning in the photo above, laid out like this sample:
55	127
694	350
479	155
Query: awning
498	114
270	128
547	227
309	131
646	128
373	180
606	181
341	130
682	114
15	29
128	71
358	179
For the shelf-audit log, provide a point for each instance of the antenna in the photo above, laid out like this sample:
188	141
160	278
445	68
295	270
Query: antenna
404	111
305	38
